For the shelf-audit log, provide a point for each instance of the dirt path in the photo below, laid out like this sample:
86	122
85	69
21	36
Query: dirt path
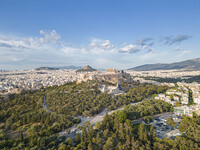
44	105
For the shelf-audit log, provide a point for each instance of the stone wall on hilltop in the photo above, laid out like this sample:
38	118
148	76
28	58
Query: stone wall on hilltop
113	77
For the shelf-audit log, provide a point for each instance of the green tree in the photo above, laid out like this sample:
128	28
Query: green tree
90	133
190	97
128	142
2	134
21	137
172	97
109	144
84	137
121	116
148	119
170	122
90	146
77	138
69	141
142	133
152	134
62	146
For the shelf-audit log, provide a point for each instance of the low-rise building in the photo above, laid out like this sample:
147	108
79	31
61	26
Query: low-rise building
160	96
183	110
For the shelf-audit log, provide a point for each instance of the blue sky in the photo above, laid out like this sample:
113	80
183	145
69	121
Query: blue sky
101	33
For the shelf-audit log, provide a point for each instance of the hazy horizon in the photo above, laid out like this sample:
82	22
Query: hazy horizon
83	66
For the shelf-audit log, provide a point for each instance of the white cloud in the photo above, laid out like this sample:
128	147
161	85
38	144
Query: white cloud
132	48
16	49
13	43
128	48
98	46
20	44
104	44
49	37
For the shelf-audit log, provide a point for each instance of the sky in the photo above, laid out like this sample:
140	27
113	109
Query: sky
102	33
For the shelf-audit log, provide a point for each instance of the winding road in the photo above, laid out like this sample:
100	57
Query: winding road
91	120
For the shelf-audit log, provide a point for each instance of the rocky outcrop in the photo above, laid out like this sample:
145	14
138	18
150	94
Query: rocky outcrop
86	69
108	77
115	78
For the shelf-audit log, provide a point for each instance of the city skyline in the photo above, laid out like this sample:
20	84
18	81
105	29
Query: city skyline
101	34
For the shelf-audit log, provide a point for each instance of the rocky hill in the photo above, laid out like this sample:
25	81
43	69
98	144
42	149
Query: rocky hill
115	78
192	64
112	77
86	69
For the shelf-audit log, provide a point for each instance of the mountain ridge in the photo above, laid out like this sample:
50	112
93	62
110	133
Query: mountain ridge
191	64
57	68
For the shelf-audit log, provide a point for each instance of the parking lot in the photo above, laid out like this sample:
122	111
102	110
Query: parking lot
163	130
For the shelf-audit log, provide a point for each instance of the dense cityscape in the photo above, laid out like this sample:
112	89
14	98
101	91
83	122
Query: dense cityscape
15	81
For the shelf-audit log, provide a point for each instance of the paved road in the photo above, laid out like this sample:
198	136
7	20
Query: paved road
97	118
91	120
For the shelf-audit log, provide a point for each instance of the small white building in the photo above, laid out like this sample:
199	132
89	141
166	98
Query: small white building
176	98
160	96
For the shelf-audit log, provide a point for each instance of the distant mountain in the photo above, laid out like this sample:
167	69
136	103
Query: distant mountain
57	68
46	68
86	69
70	67
3	70
192	64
